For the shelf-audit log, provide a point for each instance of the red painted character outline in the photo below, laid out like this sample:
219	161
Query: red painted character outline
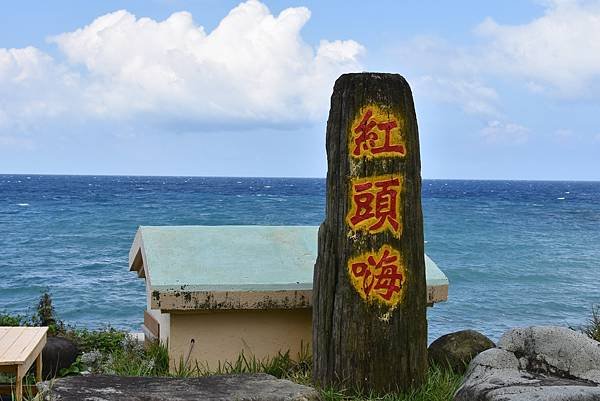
366	140
384	200
386	276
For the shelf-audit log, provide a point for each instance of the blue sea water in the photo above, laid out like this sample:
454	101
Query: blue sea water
516	252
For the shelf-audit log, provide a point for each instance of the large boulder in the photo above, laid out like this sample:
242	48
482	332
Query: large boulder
58	353
456	350
244	387
535	363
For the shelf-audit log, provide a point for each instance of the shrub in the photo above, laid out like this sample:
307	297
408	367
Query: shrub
46	316
592	329
45	311
12	320
135	359
105	341
131	359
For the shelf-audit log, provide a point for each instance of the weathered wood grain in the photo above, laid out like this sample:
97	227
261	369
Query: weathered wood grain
357	343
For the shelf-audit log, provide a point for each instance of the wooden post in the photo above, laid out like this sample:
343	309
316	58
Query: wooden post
38	368
19	383
369	289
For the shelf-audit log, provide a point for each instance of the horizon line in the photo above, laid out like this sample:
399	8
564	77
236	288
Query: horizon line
288	177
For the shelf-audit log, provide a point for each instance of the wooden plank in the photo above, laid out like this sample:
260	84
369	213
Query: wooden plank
3	331
10	334
9	389
8	342
6	389
8	368
19	343
19	351
37	351
25	344
19	383
38	368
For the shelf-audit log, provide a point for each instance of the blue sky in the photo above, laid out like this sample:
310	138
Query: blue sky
503	89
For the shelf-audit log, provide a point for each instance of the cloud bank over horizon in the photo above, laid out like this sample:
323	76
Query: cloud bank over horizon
558	52
253	70
554	56
237	88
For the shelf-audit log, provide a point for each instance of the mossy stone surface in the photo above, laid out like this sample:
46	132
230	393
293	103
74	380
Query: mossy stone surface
455	350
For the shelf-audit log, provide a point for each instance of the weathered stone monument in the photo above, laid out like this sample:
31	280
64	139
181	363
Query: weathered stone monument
369	305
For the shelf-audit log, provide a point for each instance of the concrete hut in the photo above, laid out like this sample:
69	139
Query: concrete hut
215	292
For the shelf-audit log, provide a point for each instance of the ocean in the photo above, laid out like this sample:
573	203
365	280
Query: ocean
516	253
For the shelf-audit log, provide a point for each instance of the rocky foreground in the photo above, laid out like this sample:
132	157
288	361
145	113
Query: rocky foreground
535	364
242	387
528	364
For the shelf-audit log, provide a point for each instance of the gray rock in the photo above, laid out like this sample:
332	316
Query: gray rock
245	387
58	353
555	350
535	363
455	350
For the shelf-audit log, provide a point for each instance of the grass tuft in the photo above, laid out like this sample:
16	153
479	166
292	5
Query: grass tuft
440	385
592	328
135	359
282	366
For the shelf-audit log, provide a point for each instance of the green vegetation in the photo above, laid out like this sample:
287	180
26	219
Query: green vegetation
44	316
440	386
112	351
282	366
153	360
135	359
10	320
45	312
28	381
105	341
592	328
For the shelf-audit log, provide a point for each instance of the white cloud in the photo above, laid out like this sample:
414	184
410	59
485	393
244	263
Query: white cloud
564	135
473	97
560	49
556	54
18	65
446	73
253	69
431	54
497	131
32	87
